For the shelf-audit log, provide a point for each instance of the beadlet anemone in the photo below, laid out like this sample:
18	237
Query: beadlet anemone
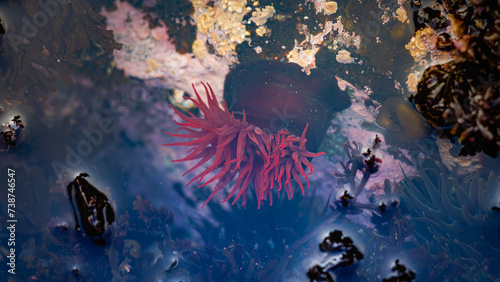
258	137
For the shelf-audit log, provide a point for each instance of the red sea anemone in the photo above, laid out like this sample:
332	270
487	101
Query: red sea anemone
243	151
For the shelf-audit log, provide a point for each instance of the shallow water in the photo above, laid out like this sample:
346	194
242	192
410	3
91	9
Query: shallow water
94	119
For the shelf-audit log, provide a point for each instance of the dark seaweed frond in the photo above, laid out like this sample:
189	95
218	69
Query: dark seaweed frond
42	44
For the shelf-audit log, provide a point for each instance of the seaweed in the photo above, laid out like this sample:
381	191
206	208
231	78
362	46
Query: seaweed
458	97
99	67
42	44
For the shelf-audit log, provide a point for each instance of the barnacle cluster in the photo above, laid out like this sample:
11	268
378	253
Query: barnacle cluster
42	43
460	98
453	214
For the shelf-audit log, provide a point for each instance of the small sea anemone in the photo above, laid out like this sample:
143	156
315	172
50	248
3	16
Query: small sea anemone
242	151
454	214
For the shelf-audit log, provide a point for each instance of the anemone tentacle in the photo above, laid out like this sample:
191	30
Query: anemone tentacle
241	151
454	214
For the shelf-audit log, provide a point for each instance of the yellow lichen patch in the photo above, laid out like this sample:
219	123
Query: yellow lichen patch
198	3
301	62
402	17
412	82
199	49
206	21
236	6
178	96
344	57
260	31
330	7
152	64
260	16
463	164
179	100
222	23
292	56
416	46
304	58
225	47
